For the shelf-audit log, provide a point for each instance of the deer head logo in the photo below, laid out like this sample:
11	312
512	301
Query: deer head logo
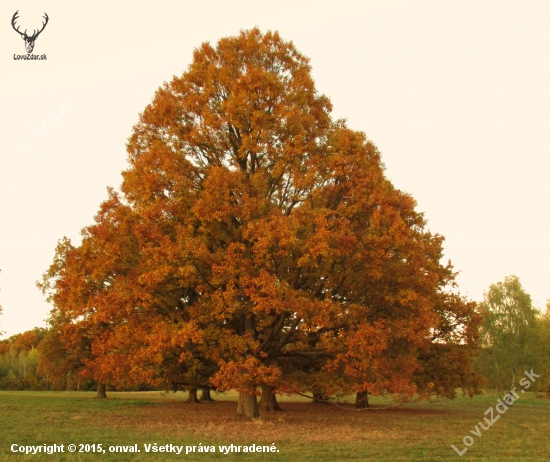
29	41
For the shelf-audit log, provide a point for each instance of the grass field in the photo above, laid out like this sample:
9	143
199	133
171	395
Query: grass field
304	432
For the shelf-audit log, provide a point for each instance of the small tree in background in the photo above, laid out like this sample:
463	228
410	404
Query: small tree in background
510	336
543	383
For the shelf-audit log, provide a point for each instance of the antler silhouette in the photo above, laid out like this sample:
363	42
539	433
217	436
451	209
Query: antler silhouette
13	19
29	41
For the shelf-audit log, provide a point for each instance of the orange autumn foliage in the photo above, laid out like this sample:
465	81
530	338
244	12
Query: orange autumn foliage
257	242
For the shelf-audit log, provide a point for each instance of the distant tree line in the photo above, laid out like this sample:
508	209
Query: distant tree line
28	362
19	362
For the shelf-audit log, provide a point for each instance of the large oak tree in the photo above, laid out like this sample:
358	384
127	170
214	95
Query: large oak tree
256	243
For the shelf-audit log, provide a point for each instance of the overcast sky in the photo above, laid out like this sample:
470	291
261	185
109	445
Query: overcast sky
456	95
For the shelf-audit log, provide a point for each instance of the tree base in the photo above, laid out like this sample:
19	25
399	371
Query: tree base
319	398
248	406
101	391
205	395
362	400
192	399
268	401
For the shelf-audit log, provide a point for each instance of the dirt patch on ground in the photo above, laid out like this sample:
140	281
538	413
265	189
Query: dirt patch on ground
299	422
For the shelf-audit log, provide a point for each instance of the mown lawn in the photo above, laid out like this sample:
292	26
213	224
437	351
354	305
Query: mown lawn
304	432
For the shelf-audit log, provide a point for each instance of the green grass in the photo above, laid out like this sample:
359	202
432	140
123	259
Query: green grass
304	432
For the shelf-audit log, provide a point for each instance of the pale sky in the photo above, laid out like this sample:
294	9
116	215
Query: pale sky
456	95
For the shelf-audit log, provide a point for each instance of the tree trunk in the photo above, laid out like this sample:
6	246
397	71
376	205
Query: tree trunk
268	402
193	396
362	400
101	390
248	406
205	395
319	398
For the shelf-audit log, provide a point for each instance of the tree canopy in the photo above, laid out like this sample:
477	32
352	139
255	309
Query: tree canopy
256	242
510	333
